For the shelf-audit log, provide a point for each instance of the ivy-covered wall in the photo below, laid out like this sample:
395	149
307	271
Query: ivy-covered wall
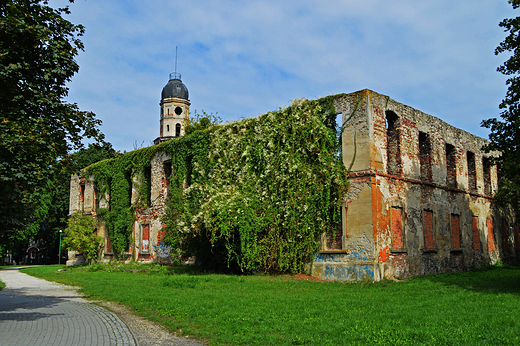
251	195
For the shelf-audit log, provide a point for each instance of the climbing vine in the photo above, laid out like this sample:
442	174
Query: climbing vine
271	187
252	195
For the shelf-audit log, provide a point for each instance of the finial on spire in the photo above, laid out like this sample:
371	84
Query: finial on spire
175	75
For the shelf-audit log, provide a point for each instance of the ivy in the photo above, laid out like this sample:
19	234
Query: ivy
252	195
272	186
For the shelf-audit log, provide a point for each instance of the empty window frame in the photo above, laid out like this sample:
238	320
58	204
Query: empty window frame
393	144
178	130
456	236
472	172
425	158
96	198
487	175
429	242
82	196
451	165
145	238
398	240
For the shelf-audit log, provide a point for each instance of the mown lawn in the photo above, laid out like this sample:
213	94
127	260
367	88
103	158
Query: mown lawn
475	308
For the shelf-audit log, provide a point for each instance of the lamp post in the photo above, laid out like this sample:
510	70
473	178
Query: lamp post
59	250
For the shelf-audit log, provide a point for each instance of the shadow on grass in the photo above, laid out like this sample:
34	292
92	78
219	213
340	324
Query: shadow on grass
490	280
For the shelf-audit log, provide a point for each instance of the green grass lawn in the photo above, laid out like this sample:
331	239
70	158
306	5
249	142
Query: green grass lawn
476	308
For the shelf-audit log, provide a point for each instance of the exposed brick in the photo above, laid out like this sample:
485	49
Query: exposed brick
491	237
397	229
455	231
428	230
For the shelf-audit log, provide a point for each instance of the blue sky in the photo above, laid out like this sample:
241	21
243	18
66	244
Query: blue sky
243	58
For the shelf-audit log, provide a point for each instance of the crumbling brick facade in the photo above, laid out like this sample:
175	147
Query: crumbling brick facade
419	202
147	237
420	196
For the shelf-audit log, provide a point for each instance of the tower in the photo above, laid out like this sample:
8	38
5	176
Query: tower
175	107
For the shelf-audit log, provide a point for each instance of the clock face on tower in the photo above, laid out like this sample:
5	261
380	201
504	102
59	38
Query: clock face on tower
178	110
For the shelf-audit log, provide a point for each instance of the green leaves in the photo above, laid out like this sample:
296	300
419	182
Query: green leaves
38	129
80	235
505	132
271	187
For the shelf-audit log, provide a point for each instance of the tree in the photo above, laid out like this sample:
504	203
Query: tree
198	122
80	235
38	129
51	212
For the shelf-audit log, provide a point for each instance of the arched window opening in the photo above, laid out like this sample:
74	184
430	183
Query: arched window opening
177	130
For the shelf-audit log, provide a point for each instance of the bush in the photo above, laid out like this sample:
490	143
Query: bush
80	235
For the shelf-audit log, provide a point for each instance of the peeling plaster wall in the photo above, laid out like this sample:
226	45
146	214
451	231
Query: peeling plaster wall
396	222
457	213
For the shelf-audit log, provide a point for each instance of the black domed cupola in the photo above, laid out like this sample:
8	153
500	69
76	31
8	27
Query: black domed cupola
175	88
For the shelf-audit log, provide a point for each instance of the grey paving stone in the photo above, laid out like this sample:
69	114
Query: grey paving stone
38	312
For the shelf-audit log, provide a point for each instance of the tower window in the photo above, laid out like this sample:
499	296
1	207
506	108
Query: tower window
177	130
167	128
178	110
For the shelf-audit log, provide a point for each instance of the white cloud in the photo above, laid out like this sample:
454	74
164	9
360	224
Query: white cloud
246	58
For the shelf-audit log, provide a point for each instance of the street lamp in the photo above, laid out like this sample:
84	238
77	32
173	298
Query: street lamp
59	250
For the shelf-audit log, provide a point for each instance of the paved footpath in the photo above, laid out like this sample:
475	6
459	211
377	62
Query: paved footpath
37	312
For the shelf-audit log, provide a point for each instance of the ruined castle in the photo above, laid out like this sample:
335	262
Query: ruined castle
420	199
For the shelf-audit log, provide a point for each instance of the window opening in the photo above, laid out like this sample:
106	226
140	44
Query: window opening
145	238
393	144
487	176
472	172
167	128
177	130
178	110
82	197
425	156
491	237
451	165
455	232
397	229
428	230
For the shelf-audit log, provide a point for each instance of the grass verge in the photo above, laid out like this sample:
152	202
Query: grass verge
475	308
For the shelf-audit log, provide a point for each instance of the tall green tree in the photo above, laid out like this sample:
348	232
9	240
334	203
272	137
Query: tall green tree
38	129
505	132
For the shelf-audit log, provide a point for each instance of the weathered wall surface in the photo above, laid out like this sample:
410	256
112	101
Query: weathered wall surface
419	200
420	196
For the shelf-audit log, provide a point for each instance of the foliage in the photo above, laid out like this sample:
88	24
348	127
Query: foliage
263	194
51	212
505	132
280	310
38	129
80	235
197	122
252	195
